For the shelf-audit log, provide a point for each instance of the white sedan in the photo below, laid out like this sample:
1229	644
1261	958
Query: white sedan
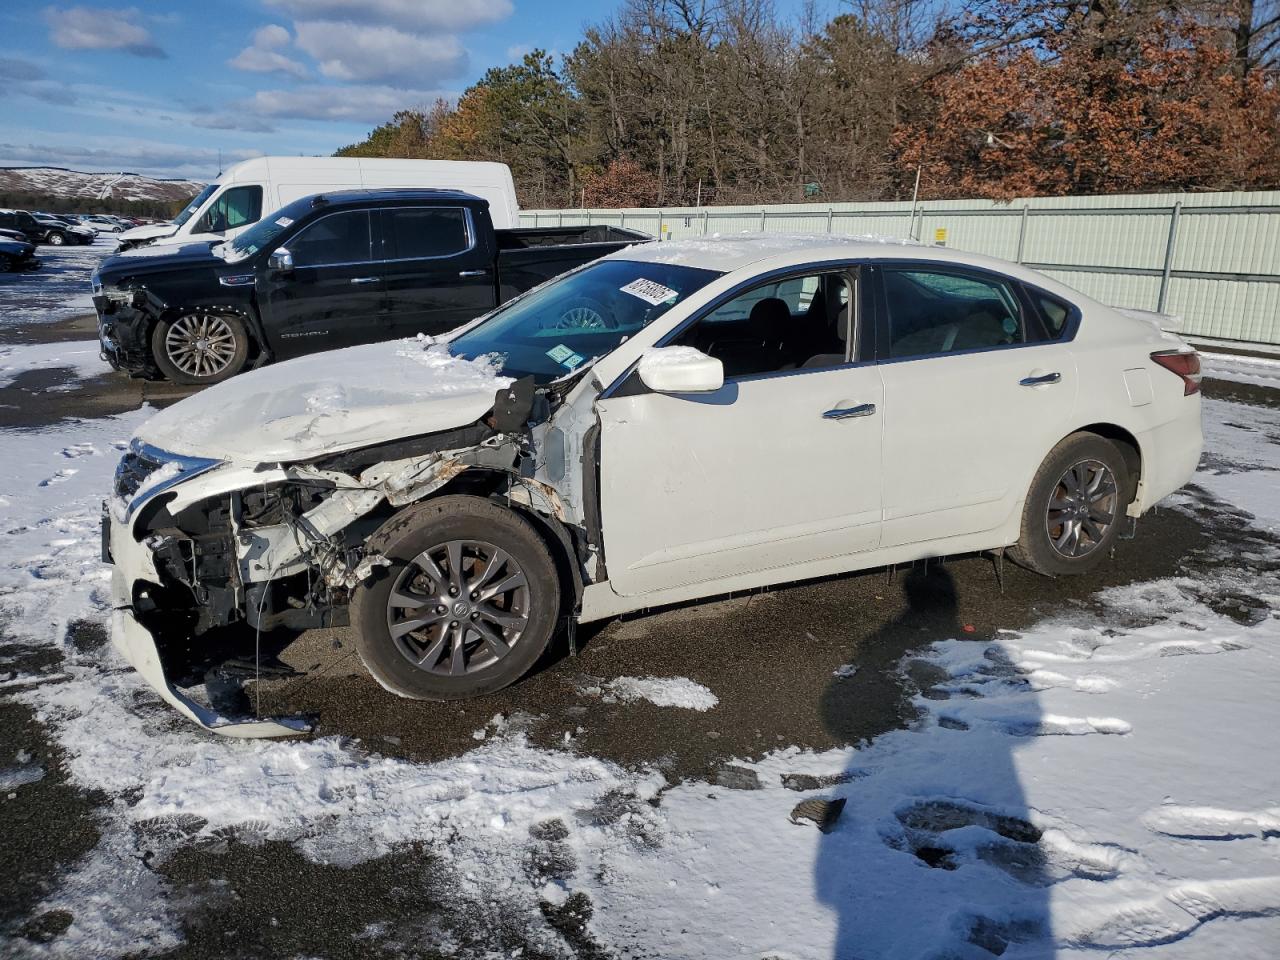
675	421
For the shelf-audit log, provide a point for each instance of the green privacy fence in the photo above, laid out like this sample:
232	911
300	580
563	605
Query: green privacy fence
1211	260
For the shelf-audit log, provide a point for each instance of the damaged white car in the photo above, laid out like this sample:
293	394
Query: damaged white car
675	421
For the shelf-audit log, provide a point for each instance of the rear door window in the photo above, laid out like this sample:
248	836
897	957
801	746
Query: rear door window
939	311
419	233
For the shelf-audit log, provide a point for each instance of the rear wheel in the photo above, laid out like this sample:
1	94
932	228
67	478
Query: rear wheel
1075	507
200	348
467	605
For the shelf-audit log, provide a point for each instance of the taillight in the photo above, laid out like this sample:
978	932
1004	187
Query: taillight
1185	365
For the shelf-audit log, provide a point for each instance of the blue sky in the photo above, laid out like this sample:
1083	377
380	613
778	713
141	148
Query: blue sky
158	88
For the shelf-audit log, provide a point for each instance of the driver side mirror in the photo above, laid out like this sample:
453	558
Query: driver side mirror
281	260
680	370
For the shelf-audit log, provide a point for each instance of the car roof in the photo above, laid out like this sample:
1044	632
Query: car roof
367	195
763	252
726	253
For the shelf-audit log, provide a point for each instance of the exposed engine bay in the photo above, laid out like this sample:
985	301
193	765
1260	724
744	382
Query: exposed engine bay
286	550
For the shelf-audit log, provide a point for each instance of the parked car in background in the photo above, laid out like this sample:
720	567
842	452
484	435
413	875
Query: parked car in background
16	254
73	221
37	230
238	199
104	224
328	271
58	231
672	422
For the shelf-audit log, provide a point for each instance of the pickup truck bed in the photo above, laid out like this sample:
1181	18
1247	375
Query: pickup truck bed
529	256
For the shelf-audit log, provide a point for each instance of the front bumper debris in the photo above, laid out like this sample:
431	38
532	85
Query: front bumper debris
137	645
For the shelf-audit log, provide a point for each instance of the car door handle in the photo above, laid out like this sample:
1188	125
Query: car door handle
472	273
846	413
1040	380
364	279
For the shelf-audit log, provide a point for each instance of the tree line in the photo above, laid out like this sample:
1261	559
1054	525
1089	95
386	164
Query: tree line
52	203
675	102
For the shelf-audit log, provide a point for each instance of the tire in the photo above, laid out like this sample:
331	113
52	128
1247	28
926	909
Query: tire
1065	530
200	348
56	239
421	662
7	263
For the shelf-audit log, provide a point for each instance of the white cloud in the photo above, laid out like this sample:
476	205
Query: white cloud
271	37
366	54
99	28
410	14
232	121
157	159
263	55
351	104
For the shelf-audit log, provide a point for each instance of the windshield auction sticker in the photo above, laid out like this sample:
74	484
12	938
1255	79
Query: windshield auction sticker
565	357
650	292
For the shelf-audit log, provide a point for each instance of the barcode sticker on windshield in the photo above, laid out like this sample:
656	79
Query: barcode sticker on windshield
283	221
649	292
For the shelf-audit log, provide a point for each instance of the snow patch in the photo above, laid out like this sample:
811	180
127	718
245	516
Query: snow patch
663	692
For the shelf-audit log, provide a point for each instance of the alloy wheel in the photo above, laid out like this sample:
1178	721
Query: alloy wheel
1082	508
458	608
200	344
582	318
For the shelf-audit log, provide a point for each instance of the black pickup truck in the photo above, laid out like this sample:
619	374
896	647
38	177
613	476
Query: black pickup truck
330	270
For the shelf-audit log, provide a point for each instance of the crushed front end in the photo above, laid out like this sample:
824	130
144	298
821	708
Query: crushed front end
210	556
125	318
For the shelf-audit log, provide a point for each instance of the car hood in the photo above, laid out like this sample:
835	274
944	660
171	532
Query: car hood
329	402
133	263
149	232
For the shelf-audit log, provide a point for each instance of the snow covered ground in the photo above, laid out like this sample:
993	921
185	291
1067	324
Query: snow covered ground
1103	783
57	291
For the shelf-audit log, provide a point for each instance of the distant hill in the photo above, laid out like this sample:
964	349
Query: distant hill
56	182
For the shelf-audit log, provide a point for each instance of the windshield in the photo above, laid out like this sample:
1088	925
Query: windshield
556	329
266	230
190	209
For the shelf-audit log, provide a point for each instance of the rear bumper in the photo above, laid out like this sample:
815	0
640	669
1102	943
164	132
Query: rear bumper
131	563
1170	454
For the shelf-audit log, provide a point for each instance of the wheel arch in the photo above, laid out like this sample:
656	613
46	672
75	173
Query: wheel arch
1129	447
496	485
243	312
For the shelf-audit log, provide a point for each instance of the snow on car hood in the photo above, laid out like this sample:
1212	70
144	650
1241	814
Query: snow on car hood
149	231
328	402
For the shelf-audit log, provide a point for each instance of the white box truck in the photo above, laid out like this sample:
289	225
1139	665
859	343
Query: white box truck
253	188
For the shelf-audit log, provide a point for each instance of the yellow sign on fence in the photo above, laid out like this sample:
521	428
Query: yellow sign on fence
940	236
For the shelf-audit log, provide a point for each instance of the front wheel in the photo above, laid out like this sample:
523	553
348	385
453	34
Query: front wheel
1075	507
200	348
57	239
466	606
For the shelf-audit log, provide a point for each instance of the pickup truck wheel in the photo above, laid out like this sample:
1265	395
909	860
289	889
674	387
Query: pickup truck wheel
200	348
1075	508
584	313
56	239
467	605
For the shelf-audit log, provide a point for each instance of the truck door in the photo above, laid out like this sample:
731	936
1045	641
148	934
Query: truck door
438	270
333	296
